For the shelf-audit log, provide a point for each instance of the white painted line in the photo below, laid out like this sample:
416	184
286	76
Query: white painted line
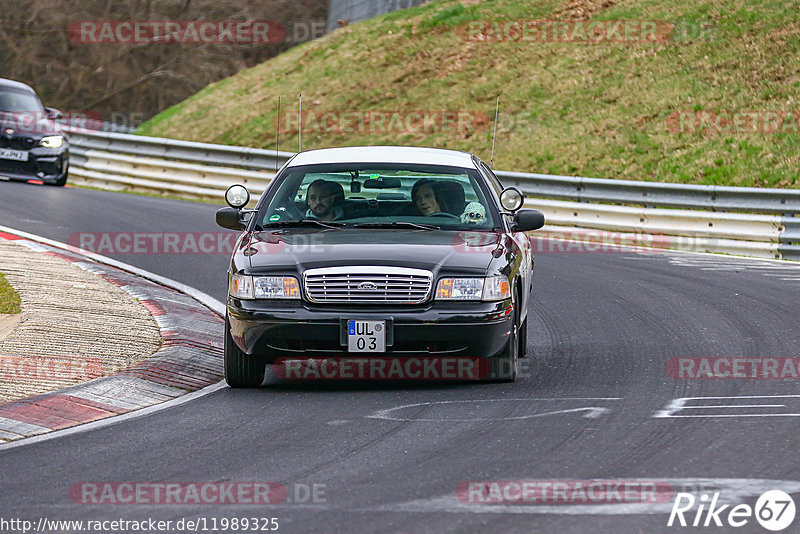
20	427
734	406
109	421
592	411
732	491
674	406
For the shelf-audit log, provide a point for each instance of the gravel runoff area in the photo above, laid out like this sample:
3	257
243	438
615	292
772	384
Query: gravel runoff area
74	325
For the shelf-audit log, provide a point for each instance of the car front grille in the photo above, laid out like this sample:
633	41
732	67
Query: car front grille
17	142
18	167
367	285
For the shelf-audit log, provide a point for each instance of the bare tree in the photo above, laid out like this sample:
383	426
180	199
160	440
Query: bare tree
36	47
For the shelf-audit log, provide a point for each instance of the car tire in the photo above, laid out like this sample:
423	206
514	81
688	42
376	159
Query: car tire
62	180
503	367
522	335
241	370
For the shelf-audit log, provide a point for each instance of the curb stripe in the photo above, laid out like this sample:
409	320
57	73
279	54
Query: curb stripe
190	357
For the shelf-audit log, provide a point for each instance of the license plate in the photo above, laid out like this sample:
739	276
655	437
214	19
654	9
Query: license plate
366	336
18	155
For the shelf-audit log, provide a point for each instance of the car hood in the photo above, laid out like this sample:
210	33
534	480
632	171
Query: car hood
295	250
35	124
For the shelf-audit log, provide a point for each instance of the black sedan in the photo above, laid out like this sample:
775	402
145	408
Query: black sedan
378	262
32	146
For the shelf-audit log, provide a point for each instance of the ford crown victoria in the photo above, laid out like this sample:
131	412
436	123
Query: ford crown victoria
378	253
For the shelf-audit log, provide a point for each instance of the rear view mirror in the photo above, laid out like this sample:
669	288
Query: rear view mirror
525	220
383	183
54	114
230	218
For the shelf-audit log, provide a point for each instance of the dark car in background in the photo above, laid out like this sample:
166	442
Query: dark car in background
397	253
32	145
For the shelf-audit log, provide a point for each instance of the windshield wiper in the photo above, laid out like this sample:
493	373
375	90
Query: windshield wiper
304	222
398	224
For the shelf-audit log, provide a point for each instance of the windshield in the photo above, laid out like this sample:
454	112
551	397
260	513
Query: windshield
408	195
16	100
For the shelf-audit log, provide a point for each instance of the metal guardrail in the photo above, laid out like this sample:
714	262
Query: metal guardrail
656	194
171	149
704	218
351	11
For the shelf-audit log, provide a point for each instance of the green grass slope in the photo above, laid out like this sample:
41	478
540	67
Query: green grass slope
9	300
604	109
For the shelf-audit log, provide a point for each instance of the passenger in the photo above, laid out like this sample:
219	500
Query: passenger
430	197
424	197
324	200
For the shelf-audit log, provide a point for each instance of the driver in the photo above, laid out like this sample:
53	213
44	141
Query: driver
323	199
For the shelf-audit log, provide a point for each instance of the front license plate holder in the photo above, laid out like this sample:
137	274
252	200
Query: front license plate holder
366	335
16	155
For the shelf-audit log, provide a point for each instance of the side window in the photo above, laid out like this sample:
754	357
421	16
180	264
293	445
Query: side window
487	172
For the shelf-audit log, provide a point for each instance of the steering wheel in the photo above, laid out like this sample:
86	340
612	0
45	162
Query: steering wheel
444	214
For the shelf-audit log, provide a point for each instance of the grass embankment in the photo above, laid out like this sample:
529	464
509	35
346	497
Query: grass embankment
600	110
9	300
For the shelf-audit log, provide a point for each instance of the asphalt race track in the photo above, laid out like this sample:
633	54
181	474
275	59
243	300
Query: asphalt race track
596	402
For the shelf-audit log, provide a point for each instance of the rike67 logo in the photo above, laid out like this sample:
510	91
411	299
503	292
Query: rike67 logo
774	510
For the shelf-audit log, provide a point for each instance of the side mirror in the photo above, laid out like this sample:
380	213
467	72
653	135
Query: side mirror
525	220
230	218
511	199
54	114
237	196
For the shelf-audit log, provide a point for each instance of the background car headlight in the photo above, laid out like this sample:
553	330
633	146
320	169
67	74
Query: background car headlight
243	286
52	141
490	288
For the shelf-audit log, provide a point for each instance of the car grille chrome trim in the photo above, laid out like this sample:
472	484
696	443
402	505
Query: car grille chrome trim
393	285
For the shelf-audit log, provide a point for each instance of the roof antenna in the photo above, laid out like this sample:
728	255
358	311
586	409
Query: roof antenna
300	137
278	134
494	133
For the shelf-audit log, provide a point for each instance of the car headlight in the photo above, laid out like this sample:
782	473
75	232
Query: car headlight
52	141
489	288
243	286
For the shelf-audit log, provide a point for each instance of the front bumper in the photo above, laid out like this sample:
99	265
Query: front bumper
45	164
294	329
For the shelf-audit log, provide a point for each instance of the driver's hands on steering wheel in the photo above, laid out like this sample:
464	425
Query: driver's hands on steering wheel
443	214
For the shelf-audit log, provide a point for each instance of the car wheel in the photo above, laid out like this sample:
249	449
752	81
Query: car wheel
504	365
241	370
62	180
523	339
